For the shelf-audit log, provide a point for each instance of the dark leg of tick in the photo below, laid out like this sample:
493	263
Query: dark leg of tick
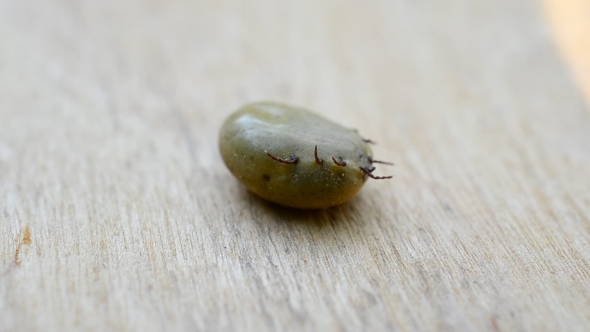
368	172
318	160
292	158
339	162
379	162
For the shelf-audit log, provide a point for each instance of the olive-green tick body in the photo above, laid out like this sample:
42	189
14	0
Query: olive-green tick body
293	157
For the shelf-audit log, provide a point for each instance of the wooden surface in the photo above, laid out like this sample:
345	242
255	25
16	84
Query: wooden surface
117	212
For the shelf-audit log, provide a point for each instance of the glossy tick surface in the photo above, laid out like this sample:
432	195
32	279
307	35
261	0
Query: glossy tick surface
293	157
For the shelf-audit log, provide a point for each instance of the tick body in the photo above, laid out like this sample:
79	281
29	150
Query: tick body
293	157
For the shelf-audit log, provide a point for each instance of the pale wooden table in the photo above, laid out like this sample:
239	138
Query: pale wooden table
117	212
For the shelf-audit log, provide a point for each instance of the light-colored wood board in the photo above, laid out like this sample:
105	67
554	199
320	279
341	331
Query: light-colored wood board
117	212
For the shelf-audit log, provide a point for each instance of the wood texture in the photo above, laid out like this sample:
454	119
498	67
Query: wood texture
117	212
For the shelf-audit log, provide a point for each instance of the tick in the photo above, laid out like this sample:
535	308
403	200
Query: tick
293	157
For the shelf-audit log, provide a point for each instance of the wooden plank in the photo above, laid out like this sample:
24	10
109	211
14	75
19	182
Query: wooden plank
118	214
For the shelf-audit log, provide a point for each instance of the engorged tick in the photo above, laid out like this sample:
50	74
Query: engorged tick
266	132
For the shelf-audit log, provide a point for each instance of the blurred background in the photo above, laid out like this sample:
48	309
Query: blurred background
117	213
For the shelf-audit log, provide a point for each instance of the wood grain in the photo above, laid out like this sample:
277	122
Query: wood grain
118	214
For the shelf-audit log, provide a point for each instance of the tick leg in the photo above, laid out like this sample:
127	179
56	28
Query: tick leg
382	162
368	141
292	158
339	162
318	160
368	172
379	162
